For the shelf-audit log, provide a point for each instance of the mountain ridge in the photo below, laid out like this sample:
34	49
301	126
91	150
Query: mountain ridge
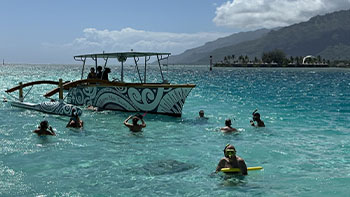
326	35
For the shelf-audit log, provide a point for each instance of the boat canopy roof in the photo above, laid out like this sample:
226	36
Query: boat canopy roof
121	56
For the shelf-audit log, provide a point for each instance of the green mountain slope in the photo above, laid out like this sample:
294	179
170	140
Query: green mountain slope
327	35
192	56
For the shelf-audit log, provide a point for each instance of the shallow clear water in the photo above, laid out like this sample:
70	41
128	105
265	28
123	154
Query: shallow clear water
304	148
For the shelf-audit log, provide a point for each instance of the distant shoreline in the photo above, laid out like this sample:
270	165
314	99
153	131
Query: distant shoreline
267	65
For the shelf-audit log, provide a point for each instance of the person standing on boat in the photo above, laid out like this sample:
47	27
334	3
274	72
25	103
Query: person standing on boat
92	74
231	160
44	129
134	126
256	117
99	72
75	121
228	127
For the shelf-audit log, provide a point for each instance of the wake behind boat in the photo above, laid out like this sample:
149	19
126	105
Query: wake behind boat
158	98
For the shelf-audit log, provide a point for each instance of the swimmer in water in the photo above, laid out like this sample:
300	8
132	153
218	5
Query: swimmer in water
228	127
75	121
201	115
256	117
134	126
44	129
231	160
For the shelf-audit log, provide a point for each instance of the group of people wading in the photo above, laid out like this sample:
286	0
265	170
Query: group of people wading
230	159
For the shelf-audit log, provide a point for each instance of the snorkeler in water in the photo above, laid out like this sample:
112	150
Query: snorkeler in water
75	121
231	160
135	127
44	129
228	127
256	117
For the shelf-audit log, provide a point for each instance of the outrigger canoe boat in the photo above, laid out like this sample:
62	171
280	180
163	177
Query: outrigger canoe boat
158	98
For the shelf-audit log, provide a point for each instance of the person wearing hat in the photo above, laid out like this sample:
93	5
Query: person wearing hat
228	127
44	129
256	117
75	121
135	127
231	160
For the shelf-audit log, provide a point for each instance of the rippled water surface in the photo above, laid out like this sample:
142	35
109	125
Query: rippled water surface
304	148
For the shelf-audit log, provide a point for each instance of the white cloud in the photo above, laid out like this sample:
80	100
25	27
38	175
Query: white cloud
94	40
253	14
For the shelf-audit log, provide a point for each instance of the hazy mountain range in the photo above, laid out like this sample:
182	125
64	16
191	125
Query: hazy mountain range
327	35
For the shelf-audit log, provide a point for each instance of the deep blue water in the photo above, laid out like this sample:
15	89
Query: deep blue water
304	148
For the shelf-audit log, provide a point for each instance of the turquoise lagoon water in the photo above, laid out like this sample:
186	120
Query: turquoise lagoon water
304	148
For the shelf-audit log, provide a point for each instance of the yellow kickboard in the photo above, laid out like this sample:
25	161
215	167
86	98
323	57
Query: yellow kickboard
238	170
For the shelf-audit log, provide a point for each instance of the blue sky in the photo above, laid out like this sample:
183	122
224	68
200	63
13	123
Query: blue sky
54	31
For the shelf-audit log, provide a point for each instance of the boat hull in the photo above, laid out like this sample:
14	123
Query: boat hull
168	100
57	108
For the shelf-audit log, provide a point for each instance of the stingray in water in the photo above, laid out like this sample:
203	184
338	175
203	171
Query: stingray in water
166	167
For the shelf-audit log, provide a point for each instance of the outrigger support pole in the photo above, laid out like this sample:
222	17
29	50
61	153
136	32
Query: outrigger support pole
160	66
106	60
146	60
83	60
95	59
122	59
137	67
20	96
60	95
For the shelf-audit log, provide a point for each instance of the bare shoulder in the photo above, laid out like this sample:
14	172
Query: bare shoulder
239	159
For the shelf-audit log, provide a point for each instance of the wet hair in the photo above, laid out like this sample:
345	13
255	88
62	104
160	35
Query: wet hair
74	112
134	120
228	146
44	124
228	122
139	116
256	116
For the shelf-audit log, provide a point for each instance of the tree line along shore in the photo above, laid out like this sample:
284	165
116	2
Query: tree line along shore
277	58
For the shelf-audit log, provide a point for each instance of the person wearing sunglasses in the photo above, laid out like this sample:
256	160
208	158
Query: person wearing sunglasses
231	160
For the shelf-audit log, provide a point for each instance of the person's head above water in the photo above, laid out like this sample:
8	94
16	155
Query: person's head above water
201	113
74	112
229	151
228	122
135	120
44	124
256	116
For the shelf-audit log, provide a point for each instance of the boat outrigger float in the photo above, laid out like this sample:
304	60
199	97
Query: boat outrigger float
158	98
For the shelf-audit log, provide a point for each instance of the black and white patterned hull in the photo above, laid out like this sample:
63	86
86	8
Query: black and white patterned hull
58	108
160	100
